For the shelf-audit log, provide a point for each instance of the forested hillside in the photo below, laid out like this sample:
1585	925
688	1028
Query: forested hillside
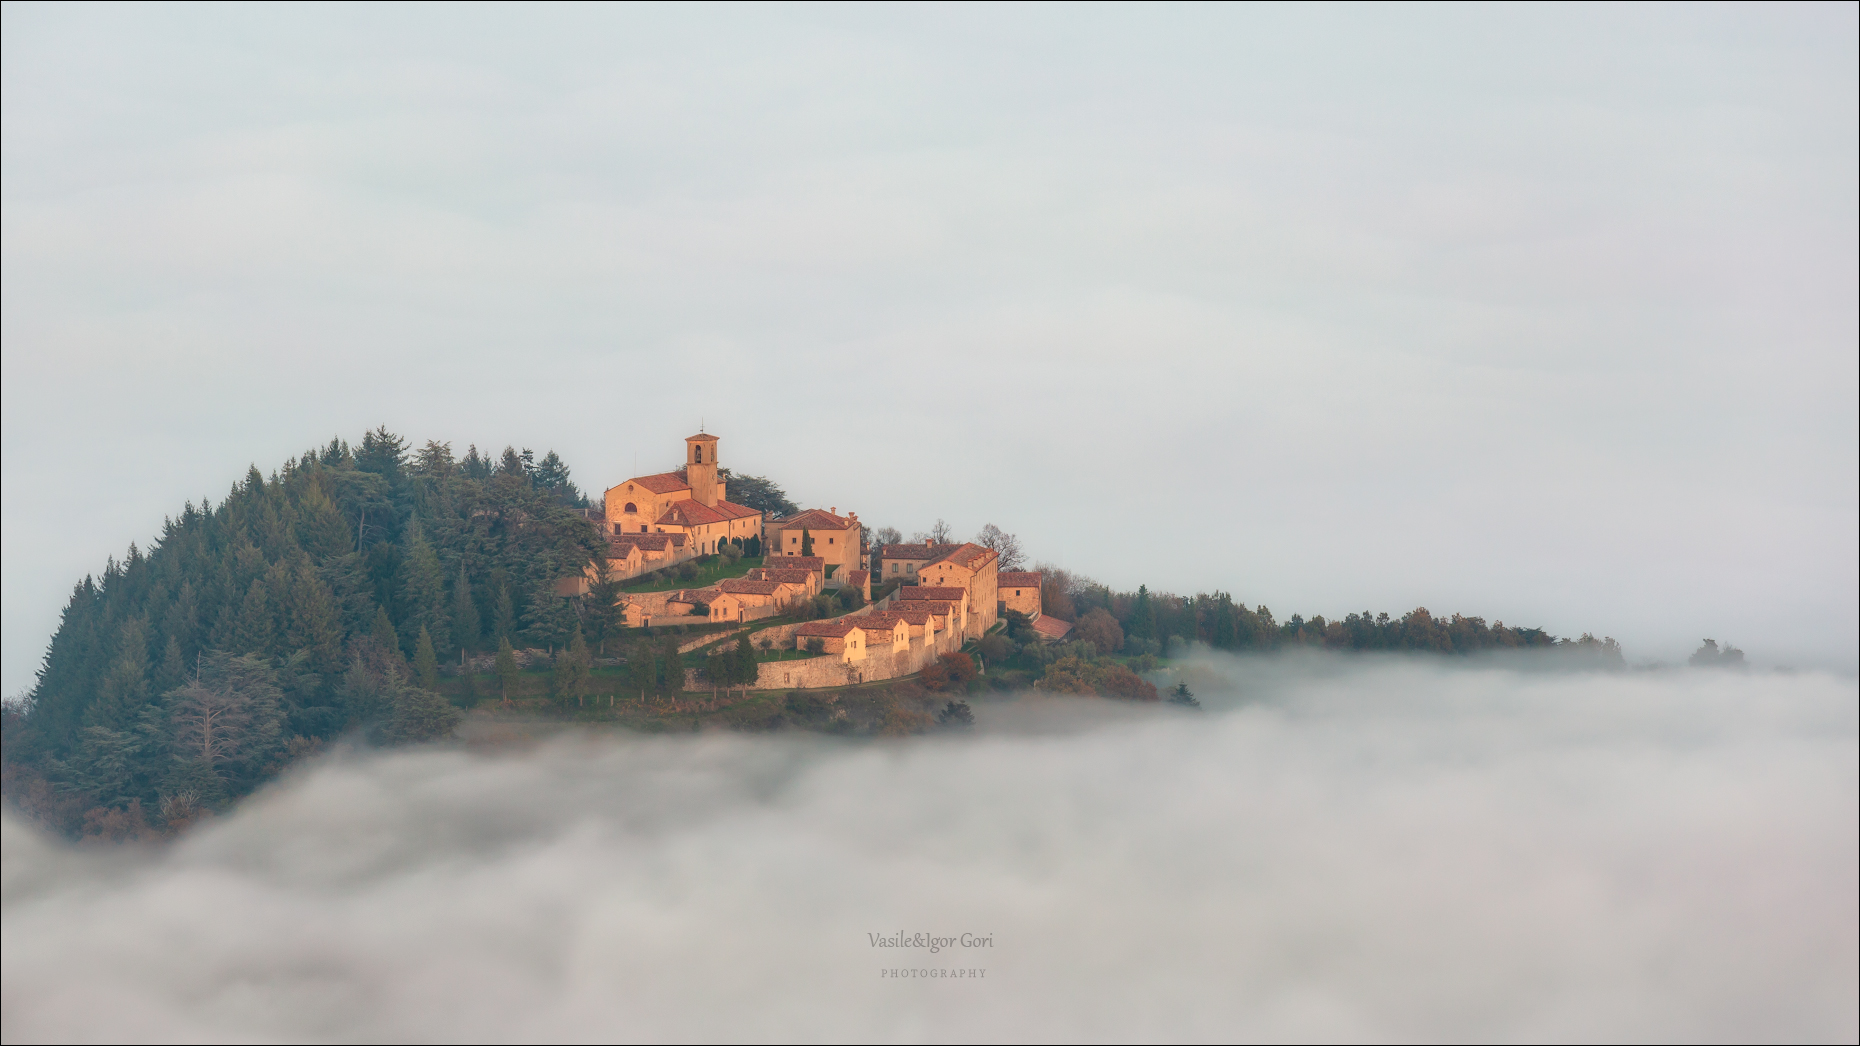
1147	622
291	612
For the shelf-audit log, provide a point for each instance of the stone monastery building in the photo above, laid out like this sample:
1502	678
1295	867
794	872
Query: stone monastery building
951	593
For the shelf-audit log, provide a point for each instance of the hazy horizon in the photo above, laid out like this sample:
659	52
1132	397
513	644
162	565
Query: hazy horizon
1545	315
1361	848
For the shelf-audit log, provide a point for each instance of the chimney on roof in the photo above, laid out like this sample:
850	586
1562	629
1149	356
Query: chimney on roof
927	542
833	510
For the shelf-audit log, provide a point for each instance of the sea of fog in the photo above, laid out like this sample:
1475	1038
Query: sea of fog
1333	849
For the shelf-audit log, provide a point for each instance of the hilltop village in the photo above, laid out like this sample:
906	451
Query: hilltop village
934	597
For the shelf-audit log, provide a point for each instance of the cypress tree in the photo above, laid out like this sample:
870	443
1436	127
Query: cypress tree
506	669
505	619
466	627
745	661
807	542
571	670
425	662
383	634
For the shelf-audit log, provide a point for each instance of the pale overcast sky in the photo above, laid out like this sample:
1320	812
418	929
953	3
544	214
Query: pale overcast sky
1545	314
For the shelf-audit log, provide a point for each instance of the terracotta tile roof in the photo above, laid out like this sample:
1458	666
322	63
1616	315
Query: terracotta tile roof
915	551
931	592
1051	627
750	588
813	563
856	578
832	629
969	555
814	519
916	612
705	436
694	595
677	540
732	510
659	482
1018	579
881	624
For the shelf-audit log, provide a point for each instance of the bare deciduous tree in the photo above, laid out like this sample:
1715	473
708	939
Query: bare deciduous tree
1006	545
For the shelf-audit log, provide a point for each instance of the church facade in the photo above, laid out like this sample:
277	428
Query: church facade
693	504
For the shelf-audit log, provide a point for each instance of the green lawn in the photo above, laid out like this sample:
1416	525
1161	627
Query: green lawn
710	570
785	655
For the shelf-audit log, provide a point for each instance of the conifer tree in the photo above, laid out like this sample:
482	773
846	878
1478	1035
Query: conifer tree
550	617
125	689
422	586
321	530
745	661
1143	615
807	542
466	627
254	632
383	634
425	661
506	669
312	625
572	670
181	621
503	609
642	668
173	668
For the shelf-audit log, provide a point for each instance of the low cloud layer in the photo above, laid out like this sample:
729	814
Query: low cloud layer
1333	850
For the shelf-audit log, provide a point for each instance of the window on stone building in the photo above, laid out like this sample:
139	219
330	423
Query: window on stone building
630	507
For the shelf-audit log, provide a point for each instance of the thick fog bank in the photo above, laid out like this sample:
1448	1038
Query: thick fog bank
1348	851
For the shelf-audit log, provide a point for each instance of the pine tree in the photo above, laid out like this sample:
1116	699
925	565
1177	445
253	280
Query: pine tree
505	619
572	670
1143	615
181	621
173	668
506	669
253	631
383	634
321	529
550	617
125	689
312	625
422	587
466	627
425	661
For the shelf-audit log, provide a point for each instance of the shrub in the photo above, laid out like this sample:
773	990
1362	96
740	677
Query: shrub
957	714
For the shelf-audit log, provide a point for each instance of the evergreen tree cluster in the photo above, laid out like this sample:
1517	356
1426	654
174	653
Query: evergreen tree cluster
316	601
1146	622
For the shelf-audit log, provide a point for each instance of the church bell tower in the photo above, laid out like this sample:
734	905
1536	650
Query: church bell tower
701	468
